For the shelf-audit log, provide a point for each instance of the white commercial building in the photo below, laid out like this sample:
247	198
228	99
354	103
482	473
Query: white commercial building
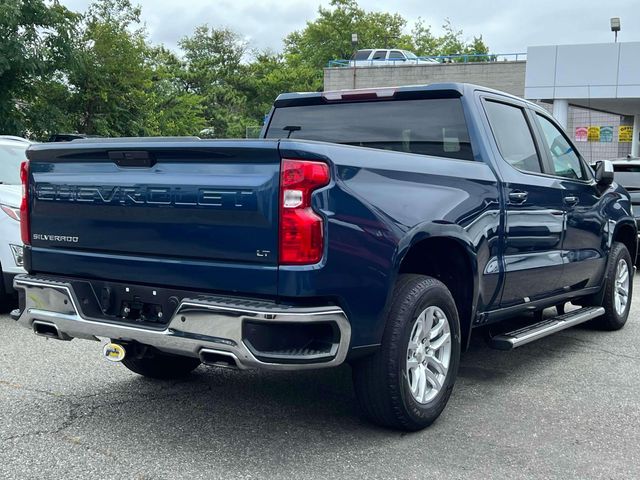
599	77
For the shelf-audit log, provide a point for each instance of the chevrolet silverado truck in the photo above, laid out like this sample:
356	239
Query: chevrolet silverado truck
375	227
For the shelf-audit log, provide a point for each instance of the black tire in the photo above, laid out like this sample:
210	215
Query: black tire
381	381
4	298
612	320
161	366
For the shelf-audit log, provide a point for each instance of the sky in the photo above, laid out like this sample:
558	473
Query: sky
507	26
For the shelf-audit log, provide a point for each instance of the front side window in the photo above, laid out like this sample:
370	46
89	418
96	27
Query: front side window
513	136
566	162
396	55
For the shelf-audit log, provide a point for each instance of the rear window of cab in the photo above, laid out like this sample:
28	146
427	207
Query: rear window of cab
433	126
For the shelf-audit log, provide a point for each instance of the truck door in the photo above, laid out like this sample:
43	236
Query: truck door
583	244
534	217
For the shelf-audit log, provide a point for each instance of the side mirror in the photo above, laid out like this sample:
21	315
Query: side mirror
604	173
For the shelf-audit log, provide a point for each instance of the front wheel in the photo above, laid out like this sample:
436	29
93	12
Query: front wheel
408	381
618	289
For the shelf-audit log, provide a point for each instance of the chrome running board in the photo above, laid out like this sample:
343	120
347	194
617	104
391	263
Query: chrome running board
531	333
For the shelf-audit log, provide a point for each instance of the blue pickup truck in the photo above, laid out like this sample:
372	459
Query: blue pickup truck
376	227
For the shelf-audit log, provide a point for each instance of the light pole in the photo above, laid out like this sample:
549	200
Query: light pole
615	27
354	44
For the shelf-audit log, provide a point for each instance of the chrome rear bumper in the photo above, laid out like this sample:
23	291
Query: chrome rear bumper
200	327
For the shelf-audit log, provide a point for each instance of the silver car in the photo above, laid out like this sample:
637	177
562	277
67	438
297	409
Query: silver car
384	57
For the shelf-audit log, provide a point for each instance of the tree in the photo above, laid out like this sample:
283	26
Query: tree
329	36
109	77
450	43
35	43
173	110
97	73
214	71
267	76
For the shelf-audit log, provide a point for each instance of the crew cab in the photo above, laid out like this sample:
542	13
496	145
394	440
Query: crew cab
376	227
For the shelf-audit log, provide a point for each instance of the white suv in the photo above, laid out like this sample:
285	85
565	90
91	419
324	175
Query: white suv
12	154
384	57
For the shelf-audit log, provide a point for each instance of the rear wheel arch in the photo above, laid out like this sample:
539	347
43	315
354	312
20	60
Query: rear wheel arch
626	234
450	260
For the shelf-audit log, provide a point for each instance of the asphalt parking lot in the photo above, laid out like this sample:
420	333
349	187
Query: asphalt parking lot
565	407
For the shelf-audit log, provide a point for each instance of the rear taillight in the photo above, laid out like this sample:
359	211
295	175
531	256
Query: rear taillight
25	230
301	229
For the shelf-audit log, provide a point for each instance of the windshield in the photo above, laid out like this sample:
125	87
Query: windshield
410	54
11	156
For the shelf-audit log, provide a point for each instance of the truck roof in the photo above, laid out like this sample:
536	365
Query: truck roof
434	90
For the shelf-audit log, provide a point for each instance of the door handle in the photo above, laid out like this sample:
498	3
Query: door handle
571	200
518	196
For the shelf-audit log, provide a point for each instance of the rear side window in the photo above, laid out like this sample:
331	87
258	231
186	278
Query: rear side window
379	55
426	126
362	54
513	136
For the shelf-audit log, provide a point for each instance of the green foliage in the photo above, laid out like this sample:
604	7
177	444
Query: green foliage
97	72
269	75
109	77
451	42
35	41
329	36
215	72
172	109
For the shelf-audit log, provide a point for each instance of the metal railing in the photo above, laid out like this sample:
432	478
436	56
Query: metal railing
444	59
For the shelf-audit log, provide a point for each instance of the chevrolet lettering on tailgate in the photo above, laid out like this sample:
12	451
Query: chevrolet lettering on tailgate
142	195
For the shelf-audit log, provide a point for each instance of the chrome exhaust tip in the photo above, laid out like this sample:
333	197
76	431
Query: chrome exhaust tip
48	330
219	358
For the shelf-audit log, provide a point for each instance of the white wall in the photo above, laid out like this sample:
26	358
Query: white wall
604	70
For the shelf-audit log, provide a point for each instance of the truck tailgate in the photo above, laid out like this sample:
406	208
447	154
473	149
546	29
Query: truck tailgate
192	214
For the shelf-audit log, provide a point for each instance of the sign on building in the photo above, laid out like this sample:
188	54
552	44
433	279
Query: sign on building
625	133
606	134
593	134
581	134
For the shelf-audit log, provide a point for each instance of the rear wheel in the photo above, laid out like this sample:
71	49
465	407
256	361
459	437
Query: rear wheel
407	383
618	289
163	366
